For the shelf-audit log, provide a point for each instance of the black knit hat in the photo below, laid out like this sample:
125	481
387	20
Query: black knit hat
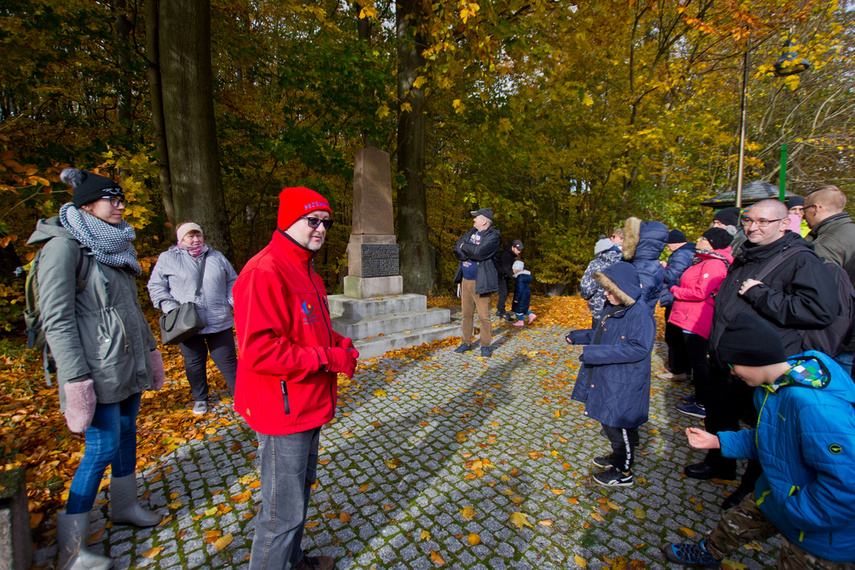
795	201
676	236
728	216
89	187
718	238
751	341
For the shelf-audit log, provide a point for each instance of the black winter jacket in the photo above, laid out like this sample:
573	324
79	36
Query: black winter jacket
798	294
505	262
678	262
487	280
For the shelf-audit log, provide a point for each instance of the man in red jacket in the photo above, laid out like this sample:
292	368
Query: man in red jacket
287	370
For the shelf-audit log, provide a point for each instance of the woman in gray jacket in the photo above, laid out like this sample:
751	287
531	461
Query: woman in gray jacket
174	281
104	350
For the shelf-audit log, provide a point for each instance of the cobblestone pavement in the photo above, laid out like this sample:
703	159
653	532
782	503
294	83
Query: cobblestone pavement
429	455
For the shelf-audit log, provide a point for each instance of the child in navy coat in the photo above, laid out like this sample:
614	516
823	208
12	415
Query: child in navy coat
614	380
522	295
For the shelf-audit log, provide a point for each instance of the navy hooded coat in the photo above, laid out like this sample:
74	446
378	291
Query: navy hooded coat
614	380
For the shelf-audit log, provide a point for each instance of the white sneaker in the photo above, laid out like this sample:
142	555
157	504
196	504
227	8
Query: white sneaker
200	408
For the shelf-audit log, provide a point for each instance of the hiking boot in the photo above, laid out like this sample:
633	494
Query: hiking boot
510	317
687	399
531	317
691	555
486	351
315	563
603	461
463	348
682	377
519	324
693	410
200	408
613	478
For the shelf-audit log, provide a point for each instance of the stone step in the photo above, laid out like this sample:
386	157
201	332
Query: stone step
356	309
387	324
378	345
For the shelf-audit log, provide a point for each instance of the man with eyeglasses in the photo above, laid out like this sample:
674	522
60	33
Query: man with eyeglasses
832	233
478	278
287	373
792	297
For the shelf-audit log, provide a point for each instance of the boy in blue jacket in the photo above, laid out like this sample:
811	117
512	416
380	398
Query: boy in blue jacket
805	440
614	381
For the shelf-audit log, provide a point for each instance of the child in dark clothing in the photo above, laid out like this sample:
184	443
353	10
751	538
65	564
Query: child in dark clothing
522	295
614	381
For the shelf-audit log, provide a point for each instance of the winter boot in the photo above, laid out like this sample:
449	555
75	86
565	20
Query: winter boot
124	508
72	533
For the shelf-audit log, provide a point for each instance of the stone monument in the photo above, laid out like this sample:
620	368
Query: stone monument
374	311
372	252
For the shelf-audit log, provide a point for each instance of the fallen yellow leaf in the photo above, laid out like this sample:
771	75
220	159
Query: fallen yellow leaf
437	558
425	535
152	552
580	562
520	520
687	531
223	542
473	539
467	513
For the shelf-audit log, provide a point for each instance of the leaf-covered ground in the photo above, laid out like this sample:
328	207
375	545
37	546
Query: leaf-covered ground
33	433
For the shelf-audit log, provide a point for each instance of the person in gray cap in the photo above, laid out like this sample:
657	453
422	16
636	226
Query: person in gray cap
478	278
504	266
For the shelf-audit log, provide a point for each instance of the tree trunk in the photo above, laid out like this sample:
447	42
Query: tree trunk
124	112
416	266
188	112
152	34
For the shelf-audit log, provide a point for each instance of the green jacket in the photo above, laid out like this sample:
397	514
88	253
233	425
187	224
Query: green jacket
834	240
99	332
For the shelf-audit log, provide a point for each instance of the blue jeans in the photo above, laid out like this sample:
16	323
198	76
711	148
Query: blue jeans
110	440
289	464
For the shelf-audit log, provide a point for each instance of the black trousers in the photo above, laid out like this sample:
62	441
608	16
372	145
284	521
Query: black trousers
728	401
505	286
624	441
697	349
678	356
195	352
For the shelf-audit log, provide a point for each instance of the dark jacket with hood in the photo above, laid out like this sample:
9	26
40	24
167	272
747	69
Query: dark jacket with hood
505	262
798	294
643	243
487	280
678	262
522	292
614	380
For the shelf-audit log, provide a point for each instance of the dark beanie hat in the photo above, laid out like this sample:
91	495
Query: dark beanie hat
718	238
676	236
751	341
795	201
728	216
89	187
296	202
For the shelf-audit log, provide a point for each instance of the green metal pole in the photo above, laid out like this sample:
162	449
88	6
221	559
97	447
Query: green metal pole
782	178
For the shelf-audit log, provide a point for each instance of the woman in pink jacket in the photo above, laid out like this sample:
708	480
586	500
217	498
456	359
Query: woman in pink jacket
694	299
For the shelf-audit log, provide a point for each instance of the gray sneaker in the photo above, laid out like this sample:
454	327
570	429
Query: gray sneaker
200	408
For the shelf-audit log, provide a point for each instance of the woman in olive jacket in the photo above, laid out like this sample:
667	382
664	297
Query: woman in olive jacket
104	350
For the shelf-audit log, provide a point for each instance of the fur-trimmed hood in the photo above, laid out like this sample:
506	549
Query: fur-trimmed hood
643	240
621	280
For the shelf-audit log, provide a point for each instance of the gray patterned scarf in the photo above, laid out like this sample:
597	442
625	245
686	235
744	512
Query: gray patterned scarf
110	245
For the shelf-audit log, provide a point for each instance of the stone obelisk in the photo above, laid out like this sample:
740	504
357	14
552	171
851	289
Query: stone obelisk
372	252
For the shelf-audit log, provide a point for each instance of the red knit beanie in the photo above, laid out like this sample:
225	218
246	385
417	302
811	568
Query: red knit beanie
296	202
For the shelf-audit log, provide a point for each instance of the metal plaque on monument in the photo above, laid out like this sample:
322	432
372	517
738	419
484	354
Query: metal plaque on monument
374	311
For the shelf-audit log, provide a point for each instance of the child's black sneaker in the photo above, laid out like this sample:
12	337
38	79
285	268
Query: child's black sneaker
613	478
604	461
691	555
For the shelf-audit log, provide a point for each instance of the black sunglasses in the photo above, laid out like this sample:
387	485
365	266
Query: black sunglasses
315	222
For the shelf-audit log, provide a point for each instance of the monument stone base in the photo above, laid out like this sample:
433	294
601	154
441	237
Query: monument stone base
367	287
382	323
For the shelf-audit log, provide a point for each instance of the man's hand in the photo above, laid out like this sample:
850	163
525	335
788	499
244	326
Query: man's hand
341	360
568	339
347	344
700	439
748	284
